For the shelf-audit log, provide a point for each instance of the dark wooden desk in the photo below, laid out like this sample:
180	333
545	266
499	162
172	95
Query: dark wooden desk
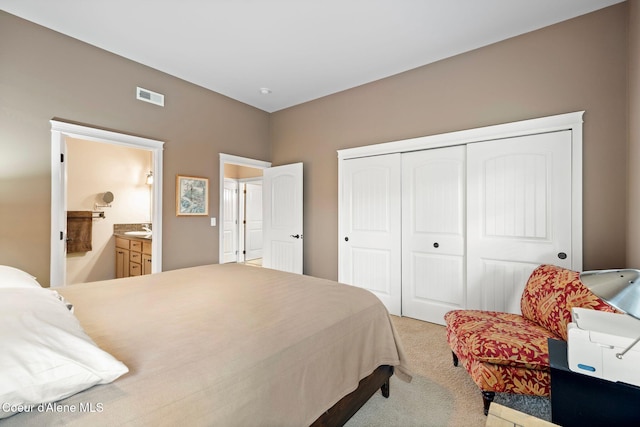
581	400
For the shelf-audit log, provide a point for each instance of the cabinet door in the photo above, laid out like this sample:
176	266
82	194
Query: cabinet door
433	232
146	264
370	227
122	263
520	215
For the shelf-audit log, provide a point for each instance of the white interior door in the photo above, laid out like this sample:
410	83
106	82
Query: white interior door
519	210
253	220
282	218
230	218
433	232
370	227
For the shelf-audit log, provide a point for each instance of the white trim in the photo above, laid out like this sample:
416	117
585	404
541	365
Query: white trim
526	127
568	121
234	160
99	135
59	132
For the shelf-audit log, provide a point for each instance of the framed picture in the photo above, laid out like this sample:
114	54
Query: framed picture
192	196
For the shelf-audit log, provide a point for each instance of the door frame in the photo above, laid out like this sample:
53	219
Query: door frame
233	160
59	132
568	121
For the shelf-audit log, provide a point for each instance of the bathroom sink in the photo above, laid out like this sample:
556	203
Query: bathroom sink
138	233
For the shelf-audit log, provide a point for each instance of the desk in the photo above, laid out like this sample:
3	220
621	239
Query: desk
581	400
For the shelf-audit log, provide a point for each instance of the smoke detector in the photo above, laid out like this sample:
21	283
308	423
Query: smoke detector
149	96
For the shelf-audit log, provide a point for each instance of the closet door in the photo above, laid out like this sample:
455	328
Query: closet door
519	215
370	227
433	228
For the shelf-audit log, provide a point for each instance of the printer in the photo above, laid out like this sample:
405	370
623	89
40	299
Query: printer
603	345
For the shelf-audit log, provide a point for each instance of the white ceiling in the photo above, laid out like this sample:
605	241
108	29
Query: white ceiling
300	49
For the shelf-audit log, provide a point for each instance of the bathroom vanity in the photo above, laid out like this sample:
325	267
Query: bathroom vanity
133	256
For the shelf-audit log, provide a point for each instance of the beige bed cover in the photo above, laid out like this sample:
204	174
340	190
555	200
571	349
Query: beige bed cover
225	345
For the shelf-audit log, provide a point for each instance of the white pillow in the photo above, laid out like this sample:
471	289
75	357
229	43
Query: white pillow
11	277
45	355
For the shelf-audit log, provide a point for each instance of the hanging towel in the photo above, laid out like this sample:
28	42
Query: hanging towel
79	225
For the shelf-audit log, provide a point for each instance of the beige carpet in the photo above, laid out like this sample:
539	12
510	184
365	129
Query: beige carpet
441	394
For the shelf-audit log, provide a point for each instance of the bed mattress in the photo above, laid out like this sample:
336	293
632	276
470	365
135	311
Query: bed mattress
227	345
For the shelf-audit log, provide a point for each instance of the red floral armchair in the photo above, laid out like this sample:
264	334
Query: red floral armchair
506	352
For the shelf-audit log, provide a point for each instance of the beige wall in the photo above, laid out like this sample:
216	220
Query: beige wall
92	169
577	65
633	242
580	64
241	172
45	75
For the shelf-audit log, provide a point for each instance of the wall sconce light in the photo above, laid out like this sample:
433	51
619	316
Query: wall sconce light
149	179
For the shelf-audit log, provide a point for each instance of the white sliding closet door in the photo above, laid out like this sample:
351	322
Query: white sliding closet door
519	211
433	228
370	227
429	225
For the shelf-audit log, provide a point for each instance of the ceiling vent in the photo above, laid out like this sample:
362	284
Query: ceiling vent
149	96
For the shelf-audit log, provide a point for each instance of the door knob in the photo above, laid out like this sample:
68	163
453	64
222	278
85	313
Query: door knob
436	245
562	255
346	239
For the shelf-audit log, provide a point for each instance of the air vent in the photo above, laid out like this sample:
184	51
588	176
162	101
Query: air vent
149	96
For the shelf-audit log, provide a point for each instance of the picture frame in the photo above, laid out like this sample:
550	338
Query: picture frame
192	196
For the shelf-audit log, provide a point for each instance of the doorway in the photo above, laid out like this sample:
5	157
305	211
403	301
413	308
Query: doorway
95	170
240	222
242	225
60	132
282	224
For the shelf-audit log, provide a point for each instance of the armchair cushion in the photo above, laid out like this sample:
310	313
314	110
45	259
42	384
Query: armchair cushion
550	294
498	338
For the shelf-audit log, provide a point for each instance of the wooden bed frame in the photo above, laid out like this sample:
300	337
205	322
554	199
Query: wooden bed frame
346	407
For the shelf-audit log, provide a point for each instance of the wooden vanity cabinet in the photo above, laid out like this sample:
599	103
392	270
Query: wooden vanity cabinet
133	257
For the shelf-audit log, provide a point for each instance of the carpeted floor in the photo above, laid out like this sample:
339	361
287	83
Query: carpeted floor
440	394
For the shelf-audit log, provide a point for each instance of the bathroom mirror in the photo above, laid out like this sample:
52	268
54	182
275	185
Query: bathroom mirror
107	197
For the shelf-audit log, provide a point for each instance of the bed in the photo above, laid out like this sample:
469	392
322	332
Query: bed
230	345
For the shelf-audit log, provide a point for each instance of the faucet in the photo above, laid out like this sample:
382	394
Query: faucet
147	228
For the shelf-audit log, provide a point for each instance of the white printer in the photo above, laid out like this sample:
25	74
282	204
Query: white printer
601	344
